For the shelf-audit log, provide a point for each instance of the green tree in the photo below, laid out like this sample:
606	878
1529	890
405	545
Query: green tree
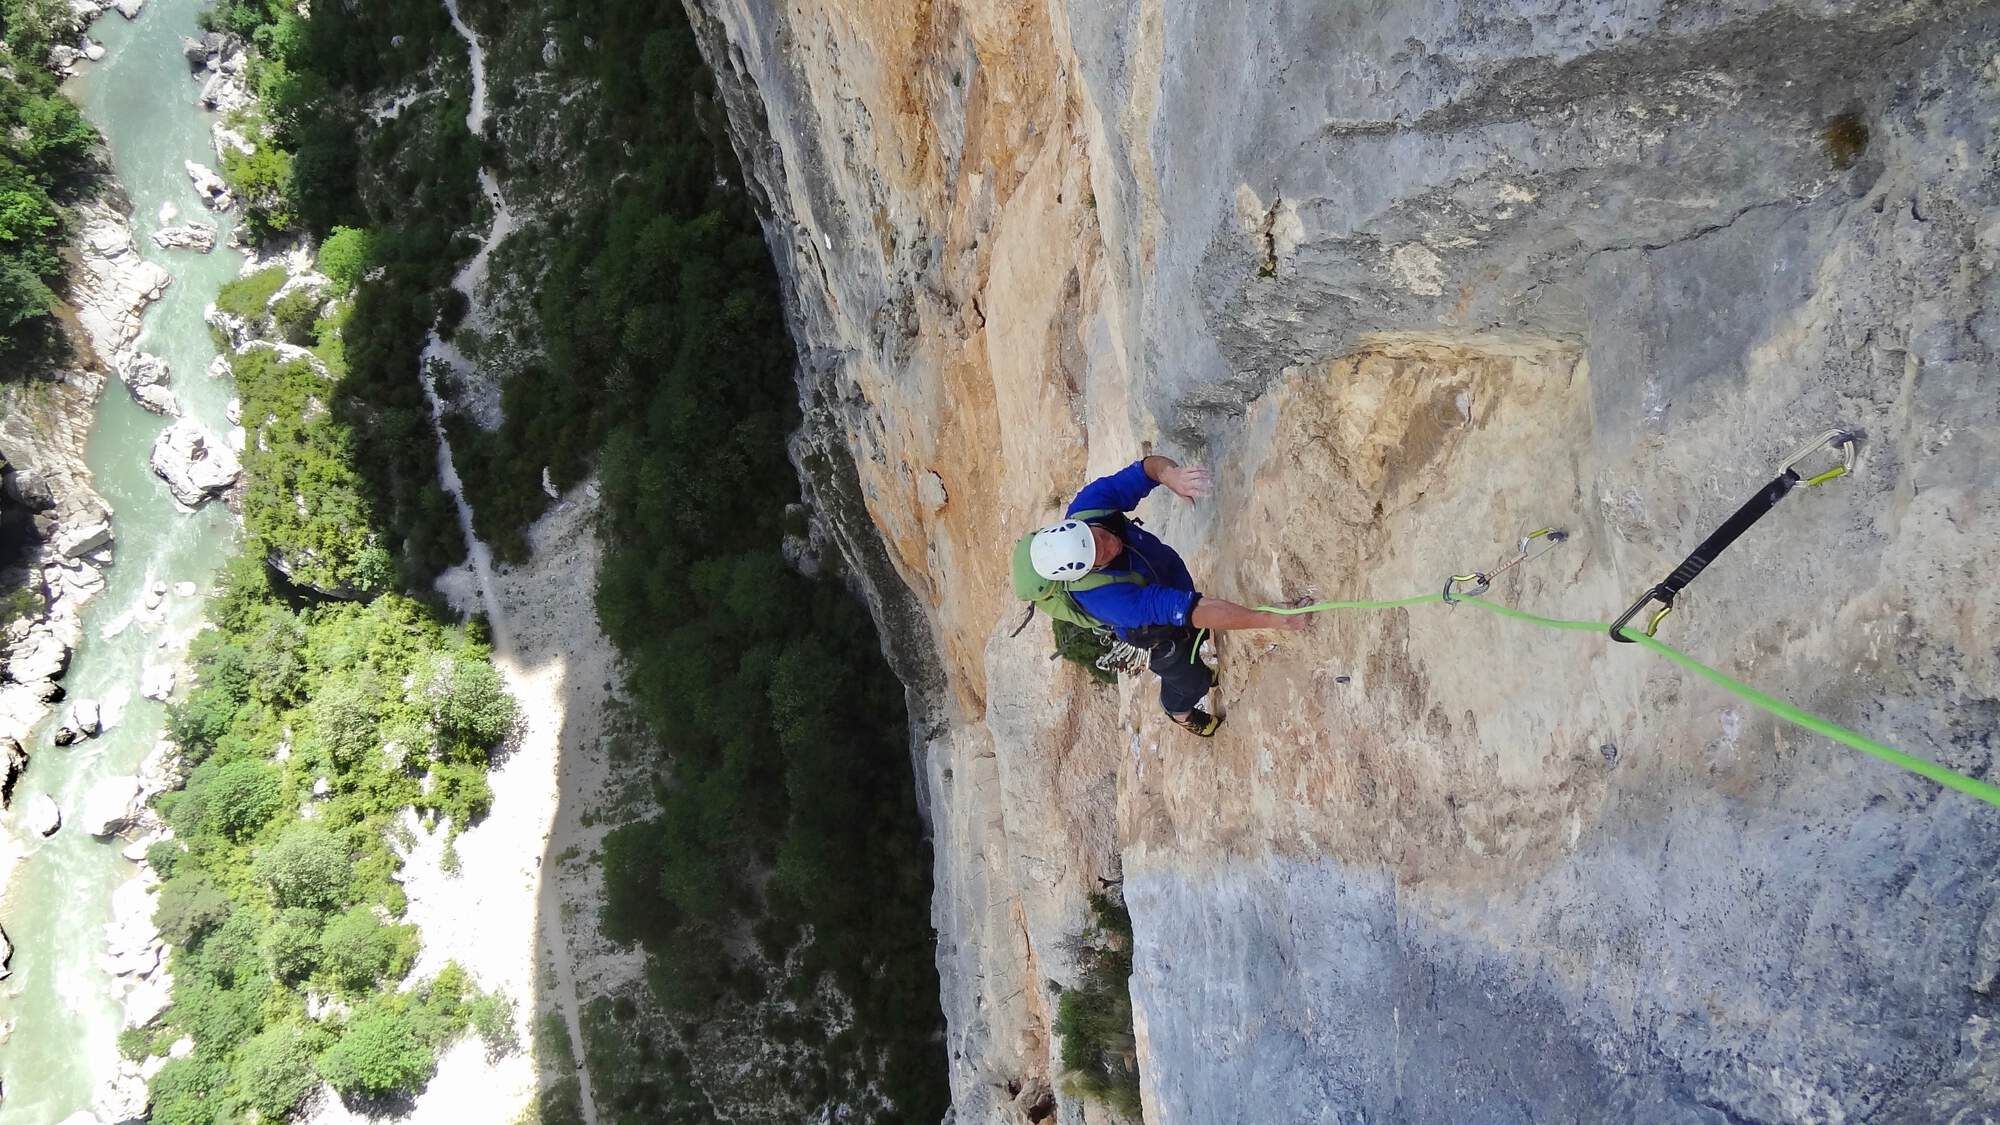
189	907
344	256
261	180
472	707
184	1092
291	944
379	1053
308	866
274	1070
357	950
242	797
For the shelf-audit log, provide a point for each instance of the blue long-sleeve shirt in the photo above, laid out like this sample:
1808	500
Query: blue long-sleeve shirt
1168	596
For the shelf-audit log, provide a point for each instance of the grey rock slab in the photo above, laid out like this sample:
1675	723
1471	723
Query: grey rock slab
77	539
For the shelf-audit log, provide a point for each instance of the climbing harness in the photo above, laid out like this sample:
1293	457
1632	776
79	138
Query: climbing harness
1479	581
1752	510
1788	478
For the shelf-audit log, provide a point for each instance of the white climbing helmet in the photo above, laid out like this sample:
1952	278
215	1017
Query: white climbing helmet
1064	552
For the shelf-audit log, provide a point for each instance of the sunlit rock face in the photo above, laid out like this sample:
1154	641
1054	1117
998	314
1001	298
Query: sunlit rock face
1416	278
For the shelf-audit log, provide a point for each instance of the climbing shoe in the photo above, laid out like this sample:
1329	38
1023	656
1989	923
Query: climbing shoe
1200	722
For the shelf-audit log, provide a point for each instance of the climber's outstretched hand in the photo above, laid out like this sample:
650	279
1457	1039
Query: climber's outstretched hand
1189	482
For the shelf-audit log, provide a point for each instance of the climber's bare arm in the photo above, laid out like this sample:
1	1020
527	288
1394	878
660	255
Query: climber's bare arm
1221	616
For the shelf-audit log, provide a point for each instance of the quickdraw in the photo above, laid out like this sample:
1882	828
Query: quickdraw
1752	510
1542	539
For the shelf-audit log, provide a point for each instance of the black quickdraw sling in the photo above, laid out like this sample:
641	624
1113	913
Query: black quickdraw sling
1752	510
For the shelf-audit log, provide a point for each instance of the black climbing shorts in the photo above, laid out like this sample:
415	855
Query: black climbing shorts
1184	679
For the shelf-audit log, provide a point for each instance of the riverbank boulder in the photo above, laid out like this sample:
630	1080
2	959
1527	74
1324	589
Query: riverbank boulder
161	771
6	955
199	237
236	331
121	1098
214	191
157	682
110	807
196	465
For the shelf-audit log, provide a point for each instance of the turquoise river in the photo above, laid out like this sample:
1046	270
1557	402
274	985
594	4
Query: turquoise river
65	1006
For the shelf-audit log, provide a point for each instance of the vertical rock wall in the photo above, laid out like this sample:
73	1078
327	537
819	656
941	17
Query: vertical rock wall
1417	277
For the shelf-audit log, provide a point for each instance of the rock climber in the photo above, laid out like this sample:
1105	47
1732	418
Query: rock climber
1138	588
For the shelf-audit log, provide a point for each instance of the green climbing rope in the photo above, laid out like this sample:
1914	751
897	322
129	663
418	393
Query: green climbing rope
1950	779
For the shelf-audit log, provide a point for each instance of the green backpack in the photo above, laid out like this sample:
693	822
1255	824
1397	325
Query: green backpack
1055	597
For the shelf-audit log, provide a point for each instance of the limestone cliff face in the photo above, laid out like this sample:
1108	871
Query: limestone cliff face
1416	277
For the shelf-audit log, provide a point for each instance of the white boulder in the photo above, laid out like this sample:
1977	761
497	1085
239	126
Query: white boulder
120	1098
85	717
6	955
161	770
110	807
199	237
157	682
195	464
158	400
224	92
128	8
214	191
144	369
42	817
148	1000
228	140
184	589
